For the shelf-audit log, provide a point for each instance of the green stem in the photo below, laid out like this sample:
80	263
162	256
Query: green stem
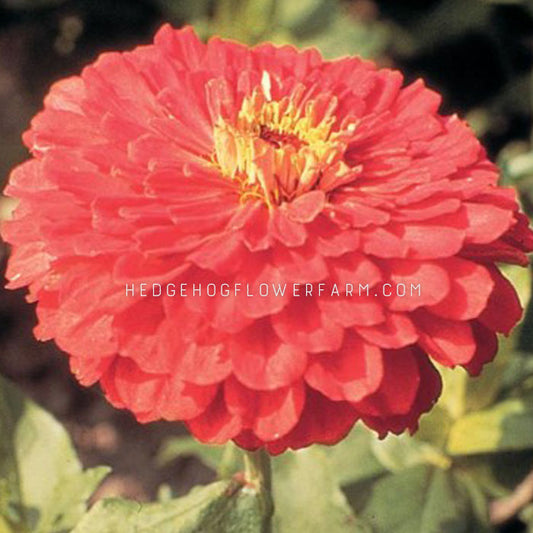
258	473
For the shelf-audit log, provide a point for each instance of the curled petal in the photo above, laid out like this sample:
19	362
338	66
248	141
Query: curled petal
269	414
322	422
352	373
419	392
215	425
449	342
262	361
421	283
302	324
396	331
471	286
503	309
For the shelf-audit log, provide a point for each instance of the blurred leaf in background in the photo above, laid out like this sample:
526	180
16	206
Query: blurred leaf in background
43	488
333	26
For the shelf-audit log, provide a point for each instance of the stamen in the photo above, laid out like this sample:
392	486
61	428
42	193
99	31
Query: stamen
278	150
279	139
266	84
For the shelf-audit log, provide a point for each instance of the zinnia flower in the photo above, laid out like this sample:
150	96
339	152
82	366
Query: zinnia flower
186	163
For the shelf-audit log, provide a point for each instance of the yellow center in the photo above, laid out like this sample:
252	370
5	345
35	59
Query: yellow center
278	150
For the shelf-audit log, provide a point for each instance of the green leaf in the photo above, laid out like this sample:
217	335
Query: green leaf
523	286
519	166
518	372
306	479
345	35
421	499
305	17
453	397
520	278
434	427
483	390
463	393
42	485
232	19
225	460
352	459
224	506
307	497
507	426
478	500
400	452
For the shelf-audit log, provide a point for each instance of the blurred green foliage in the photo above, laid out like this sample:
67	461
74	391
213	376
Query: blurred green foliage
326	24
43	487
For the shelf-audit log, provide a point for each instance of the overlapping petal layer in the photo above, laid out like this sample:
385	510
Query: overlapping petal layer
187	163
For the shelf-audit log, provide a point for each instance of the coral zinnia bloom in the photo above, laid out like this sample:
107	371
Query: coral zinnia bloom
183	162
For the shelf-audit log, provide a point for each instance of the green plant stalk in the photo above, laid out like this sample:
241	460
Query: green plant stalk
258	474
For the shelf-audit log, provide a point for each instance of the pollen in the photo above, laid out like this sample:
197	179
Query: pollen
277	150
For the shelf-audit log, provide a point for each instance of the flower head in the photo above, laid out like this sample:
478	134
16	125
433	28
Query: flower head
183	163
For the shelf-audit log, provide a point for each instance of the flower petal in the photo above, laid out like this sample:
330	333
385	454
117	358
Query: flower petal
471	286
352	373
302	324
447	341
261	361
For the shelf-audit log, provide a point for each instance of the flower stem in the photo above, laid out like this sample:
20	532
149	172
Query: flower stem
258	473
